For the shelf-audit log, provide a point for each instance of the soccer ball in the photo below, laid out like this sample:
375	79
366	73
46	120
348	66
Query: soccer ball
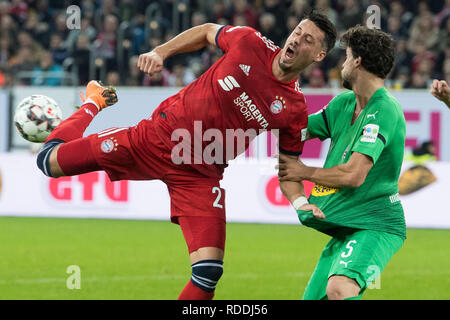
36	116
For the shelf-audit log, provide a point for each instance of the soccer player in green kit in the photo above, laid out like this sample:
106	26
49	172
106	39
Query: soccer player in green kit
357	189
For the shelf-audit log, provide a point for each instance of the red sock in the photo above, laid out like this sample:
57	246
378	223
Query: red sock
191	292
73	127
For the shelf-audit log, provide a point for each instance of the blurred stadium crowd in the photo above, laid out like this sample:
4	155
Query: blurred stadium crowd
38	48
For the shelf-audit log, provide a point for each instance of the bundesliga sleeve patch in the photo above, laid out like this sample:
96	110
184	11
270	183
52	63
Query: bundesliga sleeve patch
370	133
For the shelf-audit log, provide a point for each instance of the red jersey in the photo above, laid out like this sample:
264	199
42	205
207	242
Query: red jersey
238	92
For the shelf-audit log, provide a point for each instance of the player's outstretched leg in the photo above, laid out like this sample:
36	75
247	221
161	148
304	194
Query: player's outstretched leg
97	98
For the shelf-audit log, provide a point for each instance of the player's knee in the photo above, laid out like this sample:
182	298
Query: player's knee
45	161
341	287
206	274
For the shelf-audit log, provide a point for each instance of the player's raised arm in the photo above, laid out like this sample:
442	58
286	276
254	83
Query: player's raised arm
190	40
441	91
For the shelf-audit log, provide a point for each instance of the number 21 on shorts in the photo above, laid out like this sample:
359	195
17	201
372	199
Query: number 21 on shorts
216	203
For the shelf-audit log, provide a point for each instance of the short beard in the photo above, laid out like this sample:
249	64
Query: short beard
347	84
283	67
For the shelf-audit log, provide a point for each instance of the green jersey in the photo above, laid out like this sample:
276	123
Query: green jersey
378	132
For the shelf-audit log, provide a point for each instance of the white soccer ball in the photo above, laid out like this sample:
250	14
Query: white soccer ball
36	116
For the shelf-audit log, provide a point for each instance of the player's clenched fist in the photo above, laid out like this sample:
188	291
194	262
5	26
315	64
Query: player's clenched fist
441	90
150	63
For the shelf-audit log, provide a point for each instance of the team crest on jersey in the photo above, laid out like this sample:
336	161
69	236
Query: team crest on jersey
278	105
109	145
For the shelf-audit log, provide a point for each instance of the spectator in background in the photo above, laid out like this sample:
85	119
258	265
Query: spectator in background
38	30
47	73
444	35
279	10
60	26
423	32
198	18
19	11
395	28
135	76
269	29
403	57
443	14
81	55
335	74
316	79
181	76
242	8
127	10
446	70
350	16
138	44
106	42
418	81
402	78
218	10
157	80
421	53
107	8
86	29
22	61
59	52
324	7
291	23
398	10
299	8
113	79
6	50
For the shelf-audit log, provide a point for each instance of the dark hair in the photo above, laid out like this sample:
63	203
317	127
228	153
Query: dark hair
423	149
324	24
375	47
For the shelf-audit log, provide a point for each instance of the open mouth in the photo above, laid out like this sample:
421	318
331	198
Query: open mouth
289	53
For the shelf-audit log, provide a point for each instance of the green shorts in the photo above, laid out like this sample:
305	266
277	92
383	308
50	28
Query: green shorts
361	256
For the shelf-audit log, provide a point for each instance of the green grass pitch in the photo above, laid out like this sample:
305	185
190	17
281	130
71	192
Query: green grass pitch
126	259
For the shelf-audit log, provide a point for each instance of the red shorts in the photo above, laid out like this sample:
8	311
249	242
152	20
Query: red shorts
192	194
201	232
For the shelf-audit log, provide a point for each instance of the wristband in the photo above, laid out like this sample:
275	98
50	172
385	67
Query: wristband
300	201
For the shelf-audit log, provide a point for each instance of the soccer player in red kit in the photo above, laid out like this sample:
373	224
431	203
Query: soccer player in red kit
253	86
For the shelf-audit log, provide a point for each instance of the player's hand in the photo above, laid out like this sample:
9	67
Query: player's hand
441	90
150	63
290	169
312	207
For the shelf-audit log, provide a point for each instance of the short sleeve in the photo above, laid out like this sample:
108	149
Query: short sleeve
377	131
292	139
318	125
229	36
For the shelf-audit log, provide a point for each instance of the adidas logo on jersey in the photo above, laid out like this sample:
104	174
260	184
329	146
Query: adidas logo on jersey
245	69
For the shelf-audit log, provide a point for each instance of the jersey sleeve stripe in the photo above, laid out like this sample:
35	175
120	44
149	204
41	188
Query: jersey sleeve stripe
326	122
217	37
383	139
289	153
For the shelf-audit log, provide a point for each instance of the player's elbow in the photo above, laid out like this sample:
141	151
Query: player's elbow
355	179
210	30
